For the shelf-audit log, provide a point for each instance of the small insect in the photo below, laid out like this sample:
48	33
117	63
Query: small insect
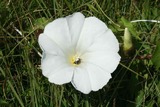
77	61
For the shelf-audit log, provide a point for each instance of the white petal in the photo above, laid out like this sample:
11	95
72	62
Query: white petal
98	77
92	27
50	63
75	24
62	75
49	46
104	59
81	80
105	41
58	32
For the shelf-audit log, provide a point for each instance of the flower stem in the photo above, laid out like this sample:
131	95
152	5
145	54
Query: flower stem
131	70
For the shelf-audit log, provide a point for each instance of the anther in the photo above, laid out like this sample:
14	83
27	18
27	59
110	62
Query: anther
77	61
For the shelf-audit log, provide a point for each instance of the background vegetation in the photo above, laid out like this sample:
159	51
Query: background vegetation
135	82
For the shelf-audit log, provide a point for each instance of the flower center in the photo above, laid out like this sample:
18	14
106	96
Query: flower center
75	60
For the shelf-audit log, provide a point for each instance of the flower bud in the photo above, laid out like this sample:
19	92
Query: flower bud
127	42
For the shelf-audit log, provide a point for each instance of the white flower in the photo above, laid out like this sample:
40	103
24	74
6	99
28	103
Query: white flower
79	50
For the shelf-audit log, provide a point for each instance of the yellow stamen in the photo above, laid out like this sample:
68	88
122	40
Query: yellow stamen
75	60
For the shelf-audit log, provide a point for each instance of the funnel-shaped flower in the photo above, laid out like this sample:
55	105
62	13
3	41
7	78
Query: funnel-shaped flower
79	50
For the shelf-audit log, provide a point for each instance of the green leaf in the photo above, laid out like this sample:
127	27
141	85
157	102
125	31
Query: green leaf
41	22
150	103
92	8
130	27
115	28
139	99
156	56
3	102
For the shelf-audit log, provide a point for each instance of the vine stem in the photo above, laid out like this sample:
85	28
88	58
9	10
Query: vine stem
154	21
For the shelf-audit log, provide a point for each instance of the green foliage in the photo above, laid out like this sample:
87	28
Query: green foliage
130	26
134	83
156	56
40	22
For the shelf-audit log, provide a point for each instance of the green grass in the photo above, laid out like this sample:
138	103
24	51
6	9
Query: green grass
134	83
